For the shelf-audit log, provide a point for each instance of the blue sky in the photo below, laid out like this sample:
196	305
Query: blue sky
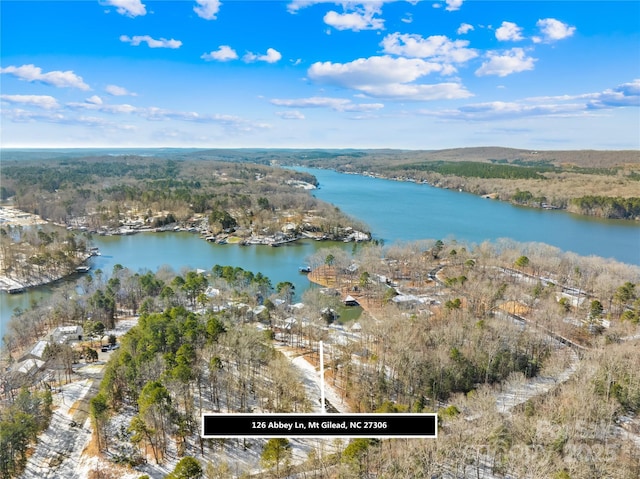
320	74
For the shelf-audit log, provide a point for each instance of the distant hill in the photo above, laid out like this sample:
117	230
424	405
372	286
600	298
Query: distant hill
584	158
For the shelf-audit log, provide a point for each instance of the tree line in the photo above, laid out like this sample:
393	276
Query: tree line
105	193
196	347
607	206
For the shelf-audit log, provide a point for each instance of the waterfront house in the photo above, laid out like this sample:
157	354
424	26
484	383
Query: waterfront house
36	352
64	334
29	367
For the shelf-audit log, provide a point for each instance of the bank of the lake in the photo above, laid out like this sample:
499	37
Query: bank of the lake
181	251
405	211
395	212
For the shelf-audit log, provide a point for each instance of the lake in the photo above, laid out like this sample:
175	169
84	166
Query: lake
394	211
405	211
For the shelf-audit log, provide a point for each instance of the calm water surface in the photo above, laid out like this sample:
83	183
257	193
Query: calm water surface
149	251
404	211
394	211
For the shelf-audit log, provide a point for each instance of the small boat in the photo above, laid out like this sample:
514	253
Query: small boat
304	269
83	269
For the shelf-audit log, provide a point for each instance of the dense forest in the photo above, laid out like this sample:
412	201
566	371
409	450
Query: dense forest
103	193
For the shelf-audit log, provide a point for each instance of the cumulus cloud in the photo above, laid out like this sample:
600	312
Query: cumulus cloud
506	63
509	31
627	94
387	77
151	42
436	47
95	100
272	56
223	54
624	95
362	18
464	28
372	70
453	5
290	115
45	102
336	104
32	73
130	8
553	30
115	90
207	9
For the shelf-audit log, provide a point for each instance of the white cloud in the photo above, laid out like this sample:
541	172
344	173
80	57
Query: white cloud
453	5
408	18
45	102
95	103
18	115
290	115
207	9
115	90
151	42
509	31
511	61
500	110
559	106
296	5
130	8
360	19
627	94
553	30
230	122
436	47
418	92
23	116
272	56
32	73
372	70
387	77
464	28
222	54
337	104
95	100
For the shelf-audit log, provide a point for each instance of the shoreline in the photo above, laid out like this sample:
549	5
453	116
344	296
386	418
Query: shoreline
491	195
14	217
11	285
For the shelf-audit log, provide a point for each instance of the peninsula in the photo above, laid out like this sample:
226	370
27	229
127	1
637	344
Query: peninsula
70	199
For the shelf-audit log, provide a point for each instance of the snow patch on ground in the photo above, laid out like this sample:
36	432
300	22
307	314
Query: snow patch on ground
59	449
517	391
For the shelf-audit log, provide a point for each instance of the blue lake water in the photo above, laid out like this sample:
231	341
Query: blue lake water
394	211
406	211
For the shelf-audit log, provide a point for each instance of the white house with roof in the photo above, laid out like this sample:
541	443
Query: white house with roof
64	334
30	366
36	352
